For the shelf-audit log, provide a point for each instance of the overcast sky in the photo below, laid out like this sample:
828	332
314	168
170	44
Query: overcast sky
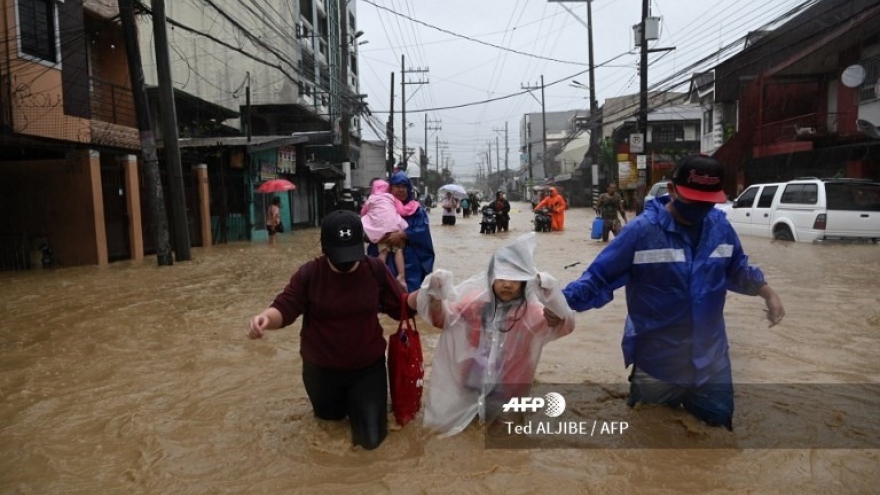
463	72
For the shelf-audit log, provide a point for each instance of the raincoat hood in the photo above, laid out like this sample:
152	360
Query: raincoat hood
401	178
515	261
379	187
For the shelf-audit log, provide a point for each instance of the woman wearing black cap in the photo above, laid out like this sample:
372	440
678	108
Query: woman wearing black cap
340	295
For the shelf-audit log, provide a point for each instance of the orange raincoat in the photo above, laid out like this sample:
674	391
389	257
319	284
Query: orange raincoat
556	206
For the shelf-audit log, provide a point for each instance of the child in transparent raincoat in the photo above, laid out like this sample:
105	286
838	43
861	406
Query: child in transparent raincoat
495	325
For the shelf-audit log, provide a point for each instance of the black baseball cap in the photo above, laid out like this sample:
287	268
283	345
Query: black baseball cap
700	178
342	237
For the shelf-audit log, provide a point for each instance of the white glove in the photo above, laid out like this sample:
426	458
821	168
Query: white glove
439	285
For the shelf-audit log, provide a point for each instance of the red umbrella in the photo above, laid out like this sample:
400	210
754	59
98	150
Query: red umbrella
276	185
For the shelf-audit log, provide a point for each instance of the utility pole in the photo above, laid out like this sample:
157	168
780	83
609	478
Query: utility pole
389	130
429	128
643	99
170	136
506	150
497	156
593	150
643	104
543	126
403	84
247	106
489	158
155	195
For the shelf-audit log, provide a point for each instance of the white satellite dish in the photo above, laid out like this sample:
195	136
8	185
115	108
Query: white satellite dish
853	76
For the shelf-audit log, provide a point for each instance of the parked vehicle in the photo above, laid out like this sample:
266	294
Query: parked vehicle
658	189
808	209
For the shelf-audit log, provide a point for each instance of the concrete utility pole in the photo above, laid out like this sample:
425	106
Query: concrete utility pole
403	84
506	149
429	128
543	128
643	104
643	100
497	156
389	131
593	151
155	195
170	135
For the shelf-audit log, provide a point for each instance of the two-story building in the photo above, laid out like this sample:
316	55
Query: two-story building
798	92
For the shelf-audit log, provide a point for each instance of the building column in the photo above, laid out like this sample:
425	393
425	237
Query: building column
133	207
201	171
94	168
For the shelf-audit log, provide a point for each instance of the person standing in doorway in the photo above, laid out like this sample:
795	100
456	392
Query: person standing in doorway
273	220
610	205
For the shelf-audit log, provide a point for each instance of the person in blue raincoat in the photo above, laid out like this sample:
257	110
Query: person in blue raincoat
677	261
416	241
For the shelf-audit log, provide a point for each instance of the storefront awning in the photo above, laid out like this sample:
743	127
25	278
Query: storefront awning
258	143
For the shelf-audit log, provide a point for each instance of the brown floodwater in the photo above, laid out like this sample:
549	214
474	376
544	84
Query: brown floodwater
138	379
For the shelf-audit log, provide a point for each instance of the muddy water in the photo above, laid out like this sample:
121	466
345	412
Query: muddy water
139	379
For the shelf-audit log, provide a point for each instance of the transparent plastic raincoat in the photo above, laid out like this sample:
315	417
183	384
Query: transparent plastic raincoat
489	349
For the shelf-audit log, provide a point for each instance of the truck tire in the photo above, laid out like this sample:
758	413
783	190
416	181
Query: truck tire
783	233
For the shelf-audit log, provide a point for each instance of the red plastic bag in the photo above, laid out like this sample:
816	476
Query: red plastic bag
406	368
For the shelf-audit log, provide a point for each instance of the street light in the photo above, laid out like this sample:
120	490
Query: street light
577	84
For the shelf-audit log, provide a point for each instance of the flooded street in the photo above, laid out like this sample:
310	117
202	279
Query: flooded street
140	379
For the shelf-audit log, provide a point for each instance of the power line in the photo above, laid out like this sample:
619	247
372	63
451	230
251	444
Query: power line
446	31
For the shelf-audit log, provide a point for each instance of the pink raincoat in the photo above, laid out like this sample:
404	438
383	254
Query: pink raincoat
381	213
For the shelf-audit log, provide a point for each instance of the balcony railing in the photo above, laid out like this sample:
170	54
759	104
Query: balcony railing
802	127
112	103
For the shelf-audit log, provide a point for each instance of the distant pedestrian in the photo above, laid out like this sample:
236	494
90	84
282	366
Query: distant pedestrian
449	205
273	219
610	206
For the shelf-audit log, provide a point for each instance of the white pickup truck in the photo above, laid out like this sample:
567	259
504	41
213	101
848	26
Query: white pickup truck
808	209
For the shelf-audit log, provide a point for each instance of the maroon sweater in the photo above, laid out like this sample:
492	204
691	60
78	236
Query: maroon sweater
340	329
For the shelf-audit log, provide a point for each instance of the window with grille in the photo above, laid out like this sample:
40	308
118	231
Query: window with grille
872	75
36	20
667	133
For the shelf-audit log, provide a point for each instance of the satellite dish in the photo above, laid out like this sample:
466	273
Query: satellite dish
853	76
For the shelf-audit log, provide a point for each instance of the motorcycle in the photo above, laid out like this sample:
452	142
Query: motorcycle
542	220
489	222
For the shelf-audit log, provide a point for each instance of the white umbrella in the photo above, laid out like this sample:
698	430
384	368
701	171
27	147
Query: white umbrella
457	191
